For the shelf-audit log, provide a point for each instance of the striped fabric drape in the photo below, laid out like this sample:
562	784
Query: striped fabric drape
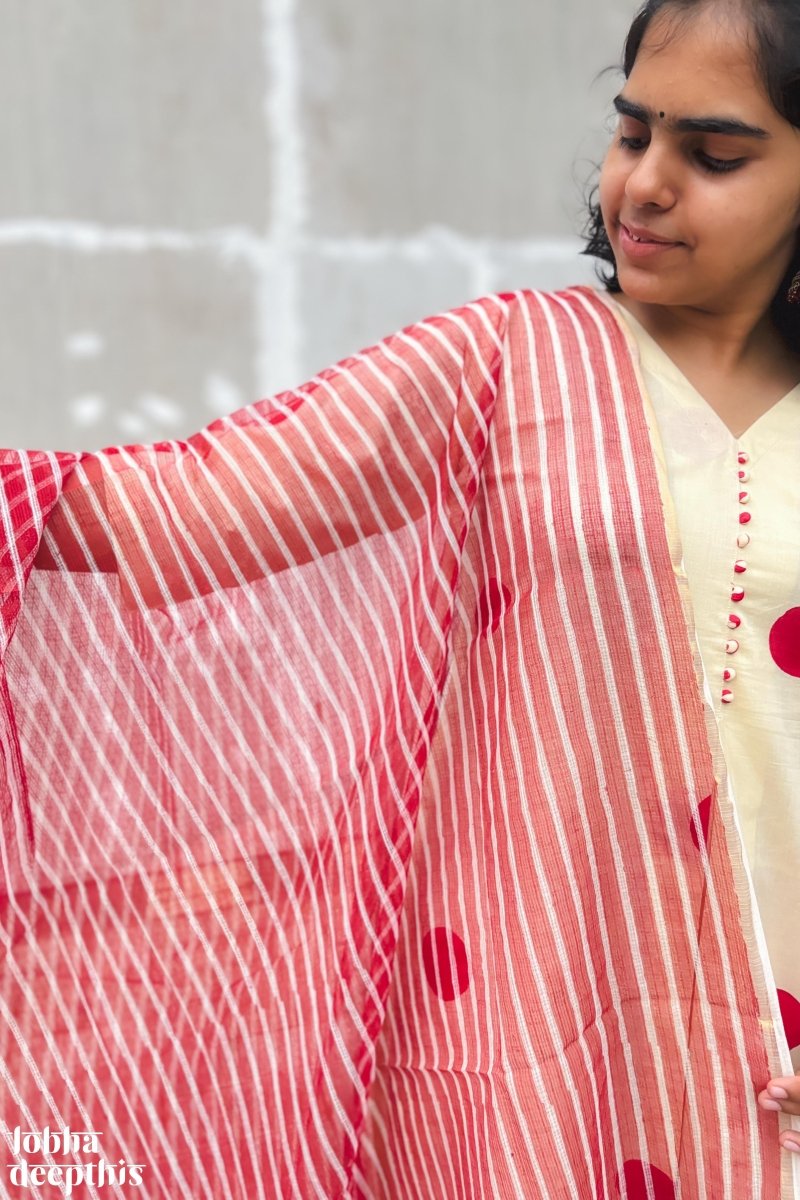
365	832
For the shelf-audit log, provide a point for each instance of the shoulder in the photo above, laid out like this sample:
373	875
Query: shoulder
523	325
496	314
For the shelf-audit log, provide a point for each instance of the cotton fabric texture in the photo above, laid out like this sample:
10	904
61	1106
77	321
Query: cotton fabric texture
745	583
366	826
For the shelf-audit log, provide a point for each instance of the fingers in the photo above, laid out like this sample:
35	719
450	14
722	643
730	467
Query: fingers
783	1095
770	1104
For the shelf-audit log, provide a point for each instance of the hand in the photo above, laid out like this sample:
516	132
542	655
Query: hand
783	1095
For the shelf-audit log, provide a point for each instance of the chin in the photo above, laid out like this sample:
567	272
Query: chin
641	286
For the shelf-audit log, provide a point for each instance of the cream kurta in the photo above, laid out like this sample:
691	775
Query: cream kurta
744	578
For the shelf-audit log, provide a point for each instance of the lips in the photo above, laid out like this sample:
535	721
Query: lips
645	235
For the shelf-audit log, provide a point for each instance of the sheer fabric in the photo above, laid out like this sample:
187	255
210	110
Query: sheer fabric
366	830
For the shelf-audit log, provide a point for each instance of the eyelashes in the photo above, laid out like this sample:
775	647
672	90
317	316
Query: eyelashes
715	166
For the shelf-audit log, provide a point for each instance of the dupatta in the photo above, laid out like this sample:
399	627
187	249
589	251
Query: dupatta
365	827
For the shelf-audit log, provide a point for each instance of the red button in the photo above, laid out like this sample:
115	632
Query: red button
733	621
740	566
732	646
727	696
744	497
744	458
737	595
745	518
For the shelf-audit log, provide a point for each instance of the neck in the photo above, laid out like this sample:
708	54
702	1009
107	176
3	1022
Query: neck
727	342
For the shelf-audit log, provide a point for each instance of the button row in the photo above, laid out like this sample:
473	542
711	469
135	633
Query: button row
739	568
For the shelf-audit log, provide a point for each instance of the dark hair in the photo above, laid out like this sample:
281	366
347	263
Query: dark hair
775	41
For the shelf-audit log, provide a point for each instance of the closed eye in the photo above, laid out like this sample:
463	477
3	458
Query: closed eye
716	166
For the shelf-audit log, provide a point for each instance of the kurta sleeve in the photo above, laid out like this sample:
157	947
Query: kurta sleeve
222	664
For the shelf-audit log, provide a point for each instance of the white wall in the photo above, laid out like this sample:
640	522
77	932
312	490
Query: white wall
203	204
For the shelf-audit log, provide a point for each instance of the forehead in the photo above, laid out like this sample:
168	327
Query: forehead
687	68
698	52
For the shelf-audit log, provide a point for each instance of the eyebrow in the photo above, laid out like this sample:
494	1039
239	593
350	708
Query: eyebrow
728	125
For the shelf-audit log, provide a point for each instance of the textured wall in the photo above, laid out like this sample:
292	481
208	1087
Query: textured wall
203	204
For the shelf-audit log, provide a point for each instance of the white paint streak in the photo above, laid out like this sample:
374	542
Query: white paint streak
274	259
160	408
132	424
278	324
84	344
437	241
231	244
86	409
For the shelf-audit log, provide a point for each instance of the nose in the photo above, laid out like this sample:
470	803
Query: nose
650	179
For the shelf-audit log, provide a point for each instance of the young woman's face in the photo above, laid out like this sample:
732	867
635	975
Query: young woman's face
731	202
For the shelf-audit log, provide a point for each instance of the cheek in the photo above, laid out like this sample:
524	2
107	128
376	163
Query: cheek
613	170
729	220
611	189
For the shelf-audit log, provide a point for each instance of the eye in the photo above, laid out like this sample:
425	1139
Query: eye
716	166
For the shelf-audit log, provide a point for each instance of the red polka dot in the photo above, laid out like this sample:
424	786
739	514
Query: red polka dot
790	1012
636	1175
784	642
703	814
444	956
493	602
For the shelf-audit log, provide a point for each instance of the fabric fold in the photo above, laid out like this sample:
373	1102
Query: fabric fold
381	845
31	483
227	674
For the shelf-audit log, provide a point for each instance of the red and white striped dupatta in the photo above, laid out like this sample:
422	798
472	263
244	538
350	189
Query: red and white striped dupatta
365	831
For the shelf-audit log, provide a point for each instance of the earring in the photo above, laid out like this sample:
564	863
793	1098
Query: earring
794	291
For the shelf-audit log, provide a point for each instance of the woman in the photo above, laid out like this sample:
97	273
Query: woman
701	225
375	822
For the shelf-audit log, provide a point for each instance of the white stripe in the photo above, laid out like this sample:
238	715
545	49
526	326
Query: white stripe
722	1080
